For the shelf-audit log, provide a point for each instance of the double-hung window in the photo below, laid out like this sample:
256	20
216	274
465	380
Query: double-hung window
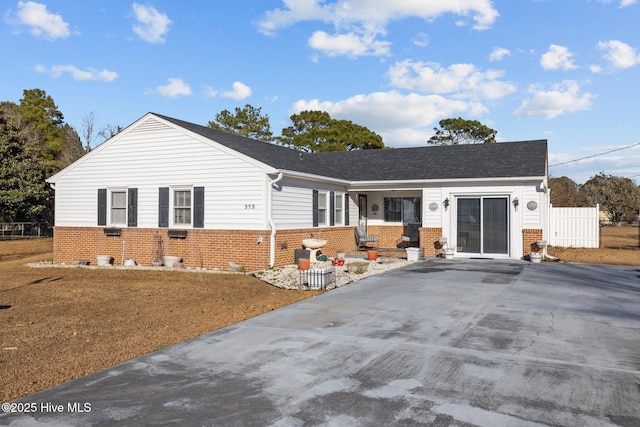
181	207
323	217
339	208
118	207
330	208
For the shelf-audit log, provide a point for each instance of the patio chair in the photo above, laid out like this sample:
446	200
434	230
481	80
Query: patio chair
364	240
411	236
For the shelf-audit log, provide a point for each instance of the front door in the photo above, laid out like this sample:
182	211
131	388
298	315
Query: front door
483	225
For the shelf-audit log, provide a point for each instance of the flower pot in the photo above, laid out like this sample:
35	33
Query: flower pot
413	254
448	253
535	257
372	255
170	260
304	263
104	260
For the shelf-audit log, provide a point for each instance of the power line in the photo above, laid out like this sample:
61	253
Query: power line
595	155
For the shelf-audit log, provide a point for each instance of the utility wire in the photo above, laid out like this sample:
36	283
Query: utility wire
595	155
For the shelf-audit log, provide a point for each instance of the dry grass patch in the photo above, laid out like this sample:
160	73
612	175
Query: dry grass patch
64	323
618	246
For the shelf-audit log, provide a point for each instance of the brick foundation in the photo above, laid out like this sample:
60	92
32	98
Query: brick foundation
210	249
529	239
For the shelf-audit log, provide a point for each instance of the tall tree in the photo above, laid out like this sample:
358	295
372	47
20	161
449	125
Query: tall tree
566	193
24	195
247	121
40	111
461	131
616	195
316	131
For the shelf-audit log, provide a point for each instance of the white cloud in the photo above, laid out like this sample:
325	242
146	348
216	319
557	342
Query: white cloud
350	44
400	119
421	40
560	99
622	3
77	74
359	23
176	87
461	80
595	69
152	25
239	91
42	23
619	54
498	54
556	58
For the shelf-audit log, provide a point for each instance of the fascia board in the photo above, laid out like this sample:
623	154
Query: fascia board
311	177
419	184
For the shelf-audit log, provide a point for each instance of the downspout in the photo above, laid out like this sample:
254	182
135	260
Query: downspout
272	239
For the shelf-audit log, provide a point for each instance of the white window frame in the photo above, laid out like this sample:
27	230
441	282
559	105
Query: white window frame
338	212
323	198
173	207
110	207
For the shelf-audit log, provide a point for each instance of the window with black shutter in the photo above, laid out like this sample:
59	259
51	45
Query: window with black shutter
102	206
198	207
163	207
132	207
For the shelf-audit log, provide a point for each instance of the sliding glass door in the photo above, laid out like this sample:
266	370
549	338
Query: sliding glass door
483	225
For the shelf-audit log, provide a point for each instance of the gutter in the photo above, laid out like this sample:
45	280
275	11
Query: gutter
272	238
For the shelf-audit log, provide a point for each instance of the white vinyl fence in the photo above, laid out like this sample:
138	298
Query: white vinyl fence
574	227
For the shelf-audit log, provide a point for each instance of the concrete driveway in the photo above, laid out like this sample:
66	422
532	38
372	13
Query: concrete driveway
442	342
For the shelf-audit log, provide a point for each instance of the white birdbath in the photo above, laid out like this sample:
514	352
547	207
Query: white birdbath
313	245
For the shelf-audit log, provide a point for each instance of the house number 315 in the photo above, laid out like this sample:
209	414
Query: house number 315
249	207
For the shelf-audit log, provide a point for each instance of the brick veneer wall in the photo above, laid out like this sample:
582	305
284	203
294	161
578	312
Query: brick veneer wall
428	239
529	237
210	249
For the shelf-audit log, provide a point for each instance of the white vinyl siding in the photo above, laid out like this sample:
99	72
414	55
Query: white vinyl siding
162	156
293	204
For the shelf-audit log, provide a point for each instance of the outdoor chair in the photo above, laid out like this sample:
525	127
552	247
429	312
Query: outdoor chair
411	237
364	240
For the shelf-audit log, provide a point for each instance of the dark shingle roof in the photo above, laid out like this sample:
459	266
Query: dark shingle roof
500	160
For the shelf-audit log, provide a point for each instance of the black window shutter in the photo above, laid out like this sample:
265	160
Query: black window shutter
315	208
163	207
332	208
346	209
132	207
102	206
198	207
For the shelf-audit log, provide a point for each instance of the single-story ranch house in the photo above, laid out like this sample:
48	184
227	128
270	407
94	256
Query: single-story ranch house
167	186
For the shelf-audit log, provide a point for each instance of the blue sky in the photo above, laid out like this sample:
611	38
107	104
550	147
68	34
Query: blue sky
563	70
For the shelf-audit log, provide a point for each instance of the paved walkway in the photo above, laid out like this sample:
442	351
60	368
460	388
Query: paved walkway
442	342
